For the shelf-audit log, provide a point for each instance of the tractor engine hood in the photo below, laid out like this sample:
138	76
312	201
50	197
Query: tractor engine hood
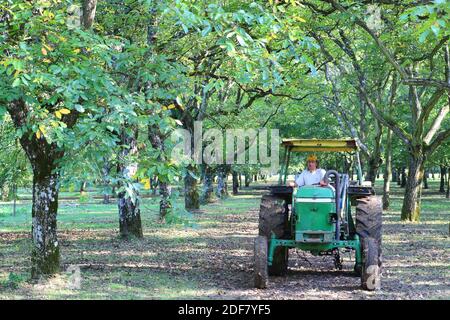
314	194
314	210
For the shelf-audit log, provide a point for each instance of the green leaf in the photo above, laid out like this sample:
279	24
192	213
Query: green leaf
435	30
423	36
230	46
24	80
206	31
79	108
2	112
185	28
241	41
16	82
178	100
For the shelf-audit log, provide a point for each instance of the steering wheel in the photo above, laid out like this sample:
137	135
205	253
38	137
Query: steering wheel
331	181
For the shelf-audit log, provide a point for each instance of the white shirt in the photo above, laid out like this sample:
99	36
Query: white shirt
308	178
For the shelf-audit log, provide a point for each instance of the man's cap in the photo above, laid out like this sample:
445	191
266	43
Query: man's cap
312	157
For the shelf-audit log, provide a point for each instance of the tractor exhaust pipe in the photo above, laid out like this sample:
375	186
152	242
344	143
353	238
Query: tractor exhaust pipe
338	200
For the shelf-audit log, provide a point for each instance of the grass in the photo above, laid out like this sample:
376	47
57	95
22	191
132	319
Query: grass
211	257
92	228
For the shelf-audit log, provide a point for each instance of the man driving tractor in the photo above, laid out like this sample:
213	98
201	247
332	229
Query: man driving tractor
310	176
321	218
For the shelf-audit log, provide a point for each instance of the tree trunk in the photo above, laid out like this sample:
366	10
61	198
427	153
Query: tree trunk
129	205
208	189
130	214
235	183
375	160
45	255
83	187
240	180
43	158
347	166
202	173
226	173
399	176
222	188
156	138
165	205
413	190
154	185
247	180
447	194
372	170
106	198
106	183
403	180
425	180
89	8
191	197
45	251
394	173
387	176
6	192
442	182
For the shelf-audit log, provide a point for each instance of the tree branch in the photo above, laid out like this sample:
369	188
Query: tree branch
441	137
379	43
426	83
436	123
271	116
433	52
380	116
430	105
390	57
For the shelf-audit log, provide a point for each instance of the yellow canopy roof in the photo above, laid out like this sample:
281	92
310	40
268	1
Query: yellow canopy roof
320	145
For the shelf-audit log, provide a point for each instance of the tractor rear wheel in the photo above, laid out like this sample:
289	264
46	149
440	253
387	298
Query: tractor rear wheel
260	263
369	212
273	218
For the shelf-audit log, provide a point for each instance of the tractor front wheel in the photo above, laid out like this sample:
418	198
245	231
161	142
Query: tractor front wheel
260	263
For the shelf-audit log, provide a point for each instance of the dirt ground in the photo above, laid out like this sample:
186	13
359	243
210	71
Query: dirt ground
416	263
416	266
213	260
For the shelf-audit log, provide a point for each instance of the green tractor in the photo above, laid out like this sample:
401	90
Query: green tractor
319	219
